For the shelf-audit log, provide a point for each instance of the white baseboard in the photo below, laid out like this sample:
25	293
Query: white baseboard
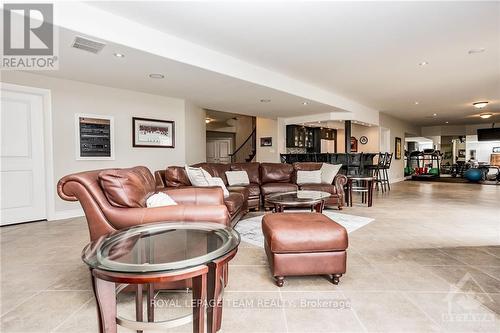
67	214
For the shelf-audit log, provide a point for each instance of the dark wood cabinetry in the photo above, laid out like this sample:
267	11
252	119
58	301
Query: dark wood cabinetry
309	138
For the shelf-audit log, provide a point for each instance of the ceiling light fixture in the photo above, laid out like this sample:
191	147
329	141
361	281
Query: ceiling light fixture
447	122
486	115
207	120
474	51
119	55
423	63
156	76
265	100
416	103
479	105
305	103
434	114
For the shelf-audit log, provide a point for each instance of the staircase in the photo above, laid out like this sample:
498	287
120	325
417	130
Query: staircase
247	150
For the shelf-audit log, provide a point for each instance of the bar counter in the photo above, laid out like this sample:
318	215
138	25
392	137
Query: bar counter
352	163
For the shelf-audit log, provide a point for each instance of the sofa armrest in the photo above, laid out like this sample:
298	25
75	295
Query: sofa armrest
196	195
160	179
340	181
127	217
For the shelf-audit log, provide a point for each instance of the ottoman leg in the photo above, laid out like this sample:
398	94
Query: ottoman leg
335	278
280	280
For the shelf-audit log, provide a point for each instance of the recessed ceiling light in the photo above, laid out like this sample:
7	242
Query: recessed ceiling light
416	103
434	114
156	76
423	63
474	51
480	105
265	100
119	55
486	115
447	122
305	103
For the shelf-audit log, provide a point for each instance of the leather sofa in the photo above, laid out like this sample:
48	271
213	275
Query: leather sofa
114	199
265	179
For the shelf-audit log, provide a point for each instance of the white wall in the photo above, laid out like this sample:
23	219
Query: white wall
398	128
265	128
195	134
357	131
72	97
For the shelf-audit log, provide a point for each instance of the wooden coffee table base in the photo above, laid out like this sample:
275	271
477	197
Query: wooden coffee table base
317	207
104	284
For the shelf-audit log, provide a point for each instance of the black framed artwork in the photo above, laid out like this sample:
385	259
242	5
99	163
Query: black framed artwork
266	142
354	145
153	133
397	148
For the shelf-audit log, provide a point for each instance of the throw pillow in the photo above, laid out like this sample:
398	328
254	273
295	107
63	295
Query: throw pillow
198	176
235	178
328	172
160	199
216	181
308	177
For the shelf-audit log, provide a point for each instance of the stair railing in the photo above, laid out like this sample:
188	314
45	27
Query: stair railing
246	151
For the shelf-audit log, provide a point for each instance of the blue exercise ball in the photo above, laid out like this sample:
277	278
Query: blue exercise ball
473	175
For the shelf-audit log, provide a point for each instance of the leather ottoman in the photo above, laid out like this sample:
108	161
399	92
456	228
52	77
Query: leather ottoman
304	244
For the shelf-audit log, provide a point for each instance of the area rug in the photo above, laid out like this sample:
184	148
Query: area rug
251	230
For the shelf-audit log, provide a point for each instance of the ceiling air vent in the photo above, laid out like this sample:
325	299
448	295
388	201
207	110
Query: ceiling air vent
88	45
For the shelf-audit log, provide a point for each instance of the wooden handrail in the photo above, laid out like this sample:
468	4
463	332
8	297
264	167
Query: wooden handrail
244	143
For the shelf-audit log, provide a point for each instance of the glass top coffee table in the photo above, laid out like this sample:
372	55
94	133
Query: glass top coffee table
313	199
162	253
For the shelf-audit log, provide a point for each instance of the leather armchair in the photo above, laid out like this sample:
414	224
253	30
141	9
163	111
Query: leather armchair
194	204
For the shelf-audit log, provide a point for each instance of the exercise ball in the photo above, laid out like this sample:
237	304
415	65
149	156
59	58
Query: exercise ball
473	175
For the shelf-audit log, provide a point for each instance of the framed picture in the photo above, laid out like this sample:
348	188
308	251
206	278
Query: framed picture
153	133
354	145
94	136
266	142
397	149
461	153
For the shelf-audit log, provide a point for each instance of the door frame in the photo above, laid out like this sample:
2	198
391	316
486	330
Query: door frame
50	187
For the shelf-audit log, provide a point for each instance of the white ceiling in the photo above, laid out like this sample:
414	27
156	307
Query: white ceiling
365	51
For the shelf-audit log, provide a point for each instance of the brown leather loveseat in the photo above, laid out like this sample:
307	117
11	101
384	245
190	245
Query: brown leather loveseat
114	199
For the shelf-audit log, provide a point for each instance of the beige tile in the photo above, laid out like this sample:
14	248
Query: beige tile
319	312
253	312
459	312
250	278
389	312
465	278
473	256
250	256
364	278
44	312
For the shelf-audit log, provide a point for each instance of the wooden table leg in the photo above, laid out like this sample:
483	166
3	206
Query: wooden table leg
199	302
370	193
138	304
106	305
151	300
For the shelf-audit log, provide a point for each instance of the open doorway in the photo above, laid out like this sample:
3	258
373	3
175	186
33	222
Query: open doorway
231	137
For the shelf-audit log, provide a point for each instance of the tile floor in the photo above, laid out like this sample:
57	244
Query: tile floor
430	262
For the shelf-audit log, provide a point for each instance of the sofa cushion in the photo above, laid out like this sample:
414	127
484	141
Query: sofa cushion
176	176
235	178
319	187
240	189
308	177
234	202
251	168
303	232
127	188
328	172
198	176
215	169
271	188
276	173
253	190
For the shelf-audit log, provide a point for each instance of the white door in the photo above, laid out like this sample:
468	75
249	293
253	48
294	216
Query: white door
385	140
22	158
219	150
